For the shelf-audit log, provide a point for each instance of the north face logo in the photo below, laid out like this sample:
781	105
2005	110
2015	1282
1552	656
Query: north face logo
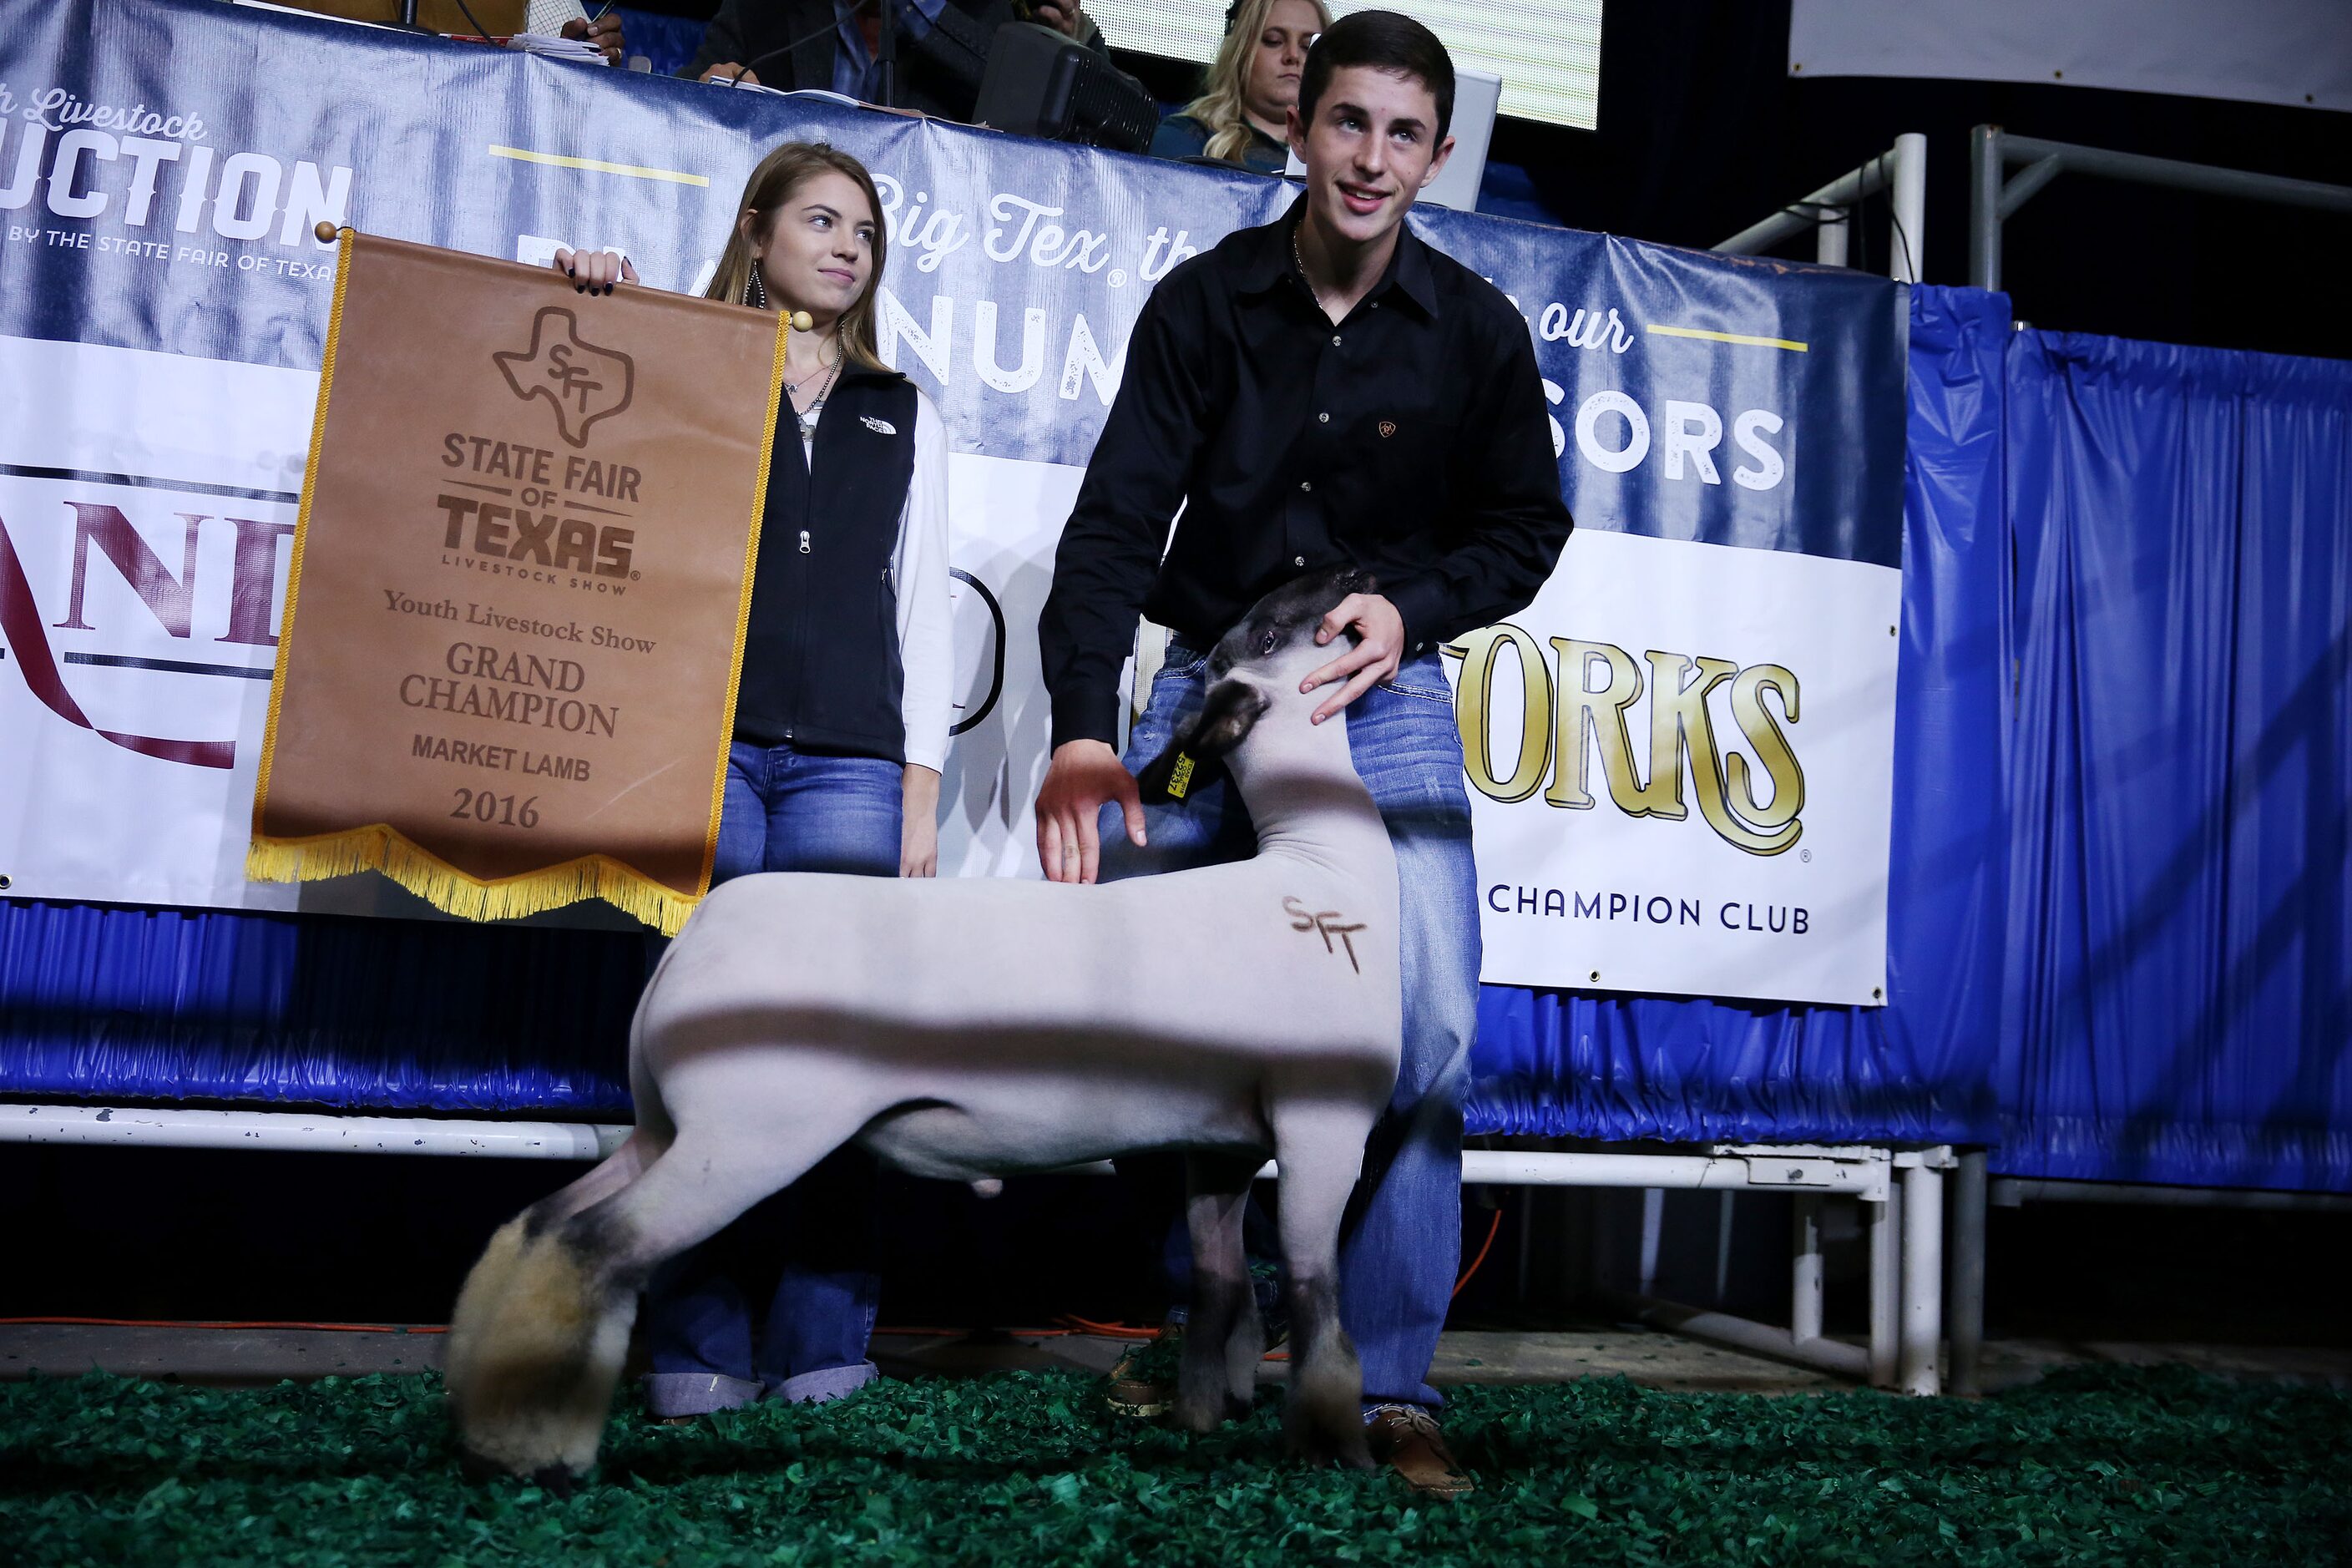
586	383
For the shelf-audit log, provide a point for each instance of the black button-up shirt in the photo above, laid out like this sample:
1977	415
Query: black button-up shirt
1411	439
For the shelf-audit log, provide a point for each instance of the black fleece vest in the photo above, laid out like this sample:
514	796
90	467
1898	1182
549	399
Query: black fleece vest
820	657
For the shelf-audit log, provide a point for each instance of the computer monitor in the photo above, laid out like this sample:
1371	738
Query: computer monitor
1040	83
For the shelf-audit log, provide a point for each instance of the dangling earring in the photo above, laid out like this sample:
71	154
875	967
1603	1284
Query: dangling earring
755	294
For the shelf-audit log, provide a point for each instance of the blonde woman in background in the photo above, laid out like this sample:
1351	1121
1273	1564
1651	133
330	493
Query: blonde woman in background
1242	115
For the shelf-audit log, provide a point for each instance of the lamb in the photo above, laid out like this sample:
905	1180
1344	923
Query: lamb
971	1029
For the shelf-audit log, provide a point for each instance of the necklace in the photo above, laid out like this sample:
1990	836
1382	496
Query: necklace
821	367
1300	257
807	417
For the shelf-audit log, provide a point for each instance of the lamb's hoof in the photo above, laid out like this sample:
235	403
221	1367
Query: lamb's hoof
1343	1446
557	1480
1197	1419
1200	1415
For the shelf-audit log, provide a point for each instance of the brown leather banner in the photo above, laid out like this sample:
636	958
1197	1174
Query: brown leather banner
519	581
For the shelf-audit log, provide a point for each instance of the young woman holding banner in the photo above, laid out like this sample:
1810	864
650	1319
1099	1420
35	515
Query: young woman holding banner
841	728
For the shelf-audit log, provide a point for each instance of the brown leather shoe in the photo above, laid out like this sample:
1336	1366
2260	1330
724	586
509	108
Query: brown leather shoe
1407	1439
1143	1383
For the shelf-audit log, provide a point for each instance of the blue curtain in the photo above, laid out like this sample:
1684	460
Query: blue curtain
1575	1065
2180	986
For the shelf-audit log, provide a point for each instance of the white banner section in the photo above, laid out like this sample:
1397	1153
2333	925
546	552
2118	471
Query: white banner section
147	504
2291	52
1680	758
149	499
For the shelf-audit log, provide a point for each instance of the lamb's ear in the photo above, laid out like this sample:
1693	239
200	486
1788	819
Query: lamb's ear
1191	757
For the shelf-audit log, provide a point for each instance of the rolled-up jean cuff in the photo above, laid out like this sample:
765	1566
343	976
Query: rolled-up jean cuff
816	1387
669	1394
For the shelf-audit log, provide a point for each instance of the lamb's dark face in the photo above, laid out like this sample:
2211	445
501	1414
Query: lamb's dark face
1285	619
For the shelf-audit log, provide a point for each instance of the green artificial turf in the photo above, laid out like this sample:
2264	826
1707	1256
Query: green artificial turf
2142	1467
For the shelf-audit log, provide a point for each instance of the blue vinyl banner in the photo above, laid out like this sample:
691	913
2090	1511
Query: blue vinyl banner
155	202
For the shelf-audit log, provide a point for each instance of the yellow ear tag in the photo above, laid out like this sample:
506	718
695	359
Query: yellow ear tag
1179	777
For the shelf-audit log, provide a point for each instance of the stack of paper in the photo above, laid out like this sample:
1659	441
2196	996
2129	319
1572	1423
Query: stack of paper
557	48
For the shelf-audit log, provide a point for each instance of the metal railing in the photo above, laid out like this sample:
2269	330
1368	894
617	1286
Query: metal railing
1901	1192
1829	212
1994	197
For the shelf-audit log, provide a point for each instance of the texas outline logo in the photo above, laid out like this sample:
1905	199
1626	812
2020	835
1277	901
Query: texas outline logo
576	375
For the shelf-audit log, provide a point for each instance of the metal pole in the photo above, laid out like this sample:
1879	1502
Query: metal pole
1884	1225
1723	1249
1653	1214
1740	1334
1923	1280
1805	1250
2016	193
1906	248
1798	215
2011	1191
1969	1192
1829	240
1984	207
2206	179
295	1132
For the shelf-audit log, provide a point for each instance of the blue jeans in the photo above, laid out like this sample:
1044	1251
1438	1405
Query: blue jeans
1404	1238
784	810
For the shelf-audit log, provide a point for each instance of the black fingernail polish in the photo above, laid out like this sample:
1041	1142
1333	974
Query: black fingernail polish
580	287
572	272
608	287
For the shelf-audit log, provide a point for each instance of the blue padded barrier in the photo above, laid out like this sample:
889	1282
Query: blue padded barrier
102	1002
2180	994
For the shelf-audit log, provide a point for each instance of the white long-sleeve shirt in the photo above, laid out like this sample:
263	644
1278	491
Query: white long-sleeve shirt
918	565
548	17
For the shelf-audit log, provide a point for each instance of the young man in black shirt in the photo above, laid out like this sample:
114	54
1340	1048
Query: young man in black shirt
1324	390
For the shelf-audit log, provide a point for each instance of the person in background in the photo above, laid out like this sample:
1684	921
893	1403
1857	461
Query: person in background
841	731
943	45
569	19
1249	89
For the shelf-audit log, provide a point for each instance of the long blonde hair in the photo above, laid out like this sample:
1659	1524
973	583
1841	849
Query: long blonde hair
772	184
1219	106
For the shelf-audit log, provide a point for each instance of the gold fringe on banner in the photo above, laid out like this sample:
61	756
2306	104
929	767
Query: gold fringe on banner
379	848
